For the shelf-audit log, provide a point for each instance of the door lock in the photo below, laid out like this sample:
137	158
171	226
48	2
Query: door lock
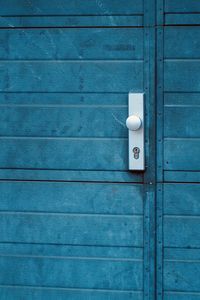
135	124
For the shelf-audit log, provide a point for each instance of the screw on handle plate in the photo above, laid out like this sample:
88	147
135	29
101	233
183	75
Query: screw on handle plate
136	152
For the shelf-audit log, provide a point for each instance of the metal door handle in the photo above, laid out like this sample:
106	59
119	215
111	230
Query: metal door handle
135	124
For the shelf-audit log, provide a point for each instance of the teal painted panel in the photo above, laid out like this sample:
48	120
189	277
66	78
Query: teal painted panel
90	198
71	175
68	76
181	254
182	231
182	42
182	76
30	293
76	43
181	154
182	19
182	99
181	121
181	296
62	99
181	176
36	21
71	273
64	153
182	276
182	6
66	251
74	229
75	7
181	199
69	121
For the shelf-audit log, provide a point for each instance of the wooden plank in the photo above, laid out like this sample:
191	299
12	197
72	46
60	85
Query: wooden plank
182	276
182	6
181	199
64	153
182	99
71	197
75	7
91	121
18	293
181	254
182	231
182	19
68	76
182	76
70	175
181	176
70	21
182	42
62	99
181	154
73	251
71	273
181	121
76	43
181	296
74	229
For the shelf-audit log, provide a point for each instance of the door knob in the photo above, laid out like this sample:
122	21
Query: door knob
133	123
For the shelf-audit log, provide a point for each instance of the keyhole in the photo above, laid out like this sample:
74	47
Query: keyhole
136	152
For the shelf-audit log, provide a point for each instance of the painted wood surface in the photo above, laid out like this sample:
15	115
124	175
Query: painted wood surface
76	43
178	213
71	215
75	7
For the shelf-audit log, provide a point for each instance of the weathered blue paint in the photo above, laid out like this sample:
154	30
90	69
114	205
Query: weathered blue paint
178	161
74	222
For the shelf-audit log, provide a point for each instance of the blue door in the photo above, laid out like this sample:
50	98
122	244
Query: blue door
178	107
75	223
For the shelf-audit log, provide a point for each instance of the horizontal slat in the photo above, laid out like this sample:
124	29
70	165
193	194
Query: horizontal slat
181	254
182	98
70	21
64	76
71	251
63	154
182	276
181	296
182	42
70	175
8	292
181	231
182	76
62	99
182	154
76	121
181	121
74	229
81	43
182	19
182	6
75	7
71	197
182	199
71	273
178	176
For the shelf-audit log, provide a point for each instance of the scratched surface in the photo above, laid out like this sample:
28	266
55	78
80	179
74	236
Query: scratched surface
71	222
181	210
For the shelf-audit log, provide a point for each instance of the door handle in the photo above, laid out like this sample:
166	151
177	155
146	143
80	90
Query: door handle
135	125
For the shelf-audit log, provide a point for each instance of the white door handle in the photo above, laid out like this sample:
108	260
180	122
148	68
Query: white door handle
135	124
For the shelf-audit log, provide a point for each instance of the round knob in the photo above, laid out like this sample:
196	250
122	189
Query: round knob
133	123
